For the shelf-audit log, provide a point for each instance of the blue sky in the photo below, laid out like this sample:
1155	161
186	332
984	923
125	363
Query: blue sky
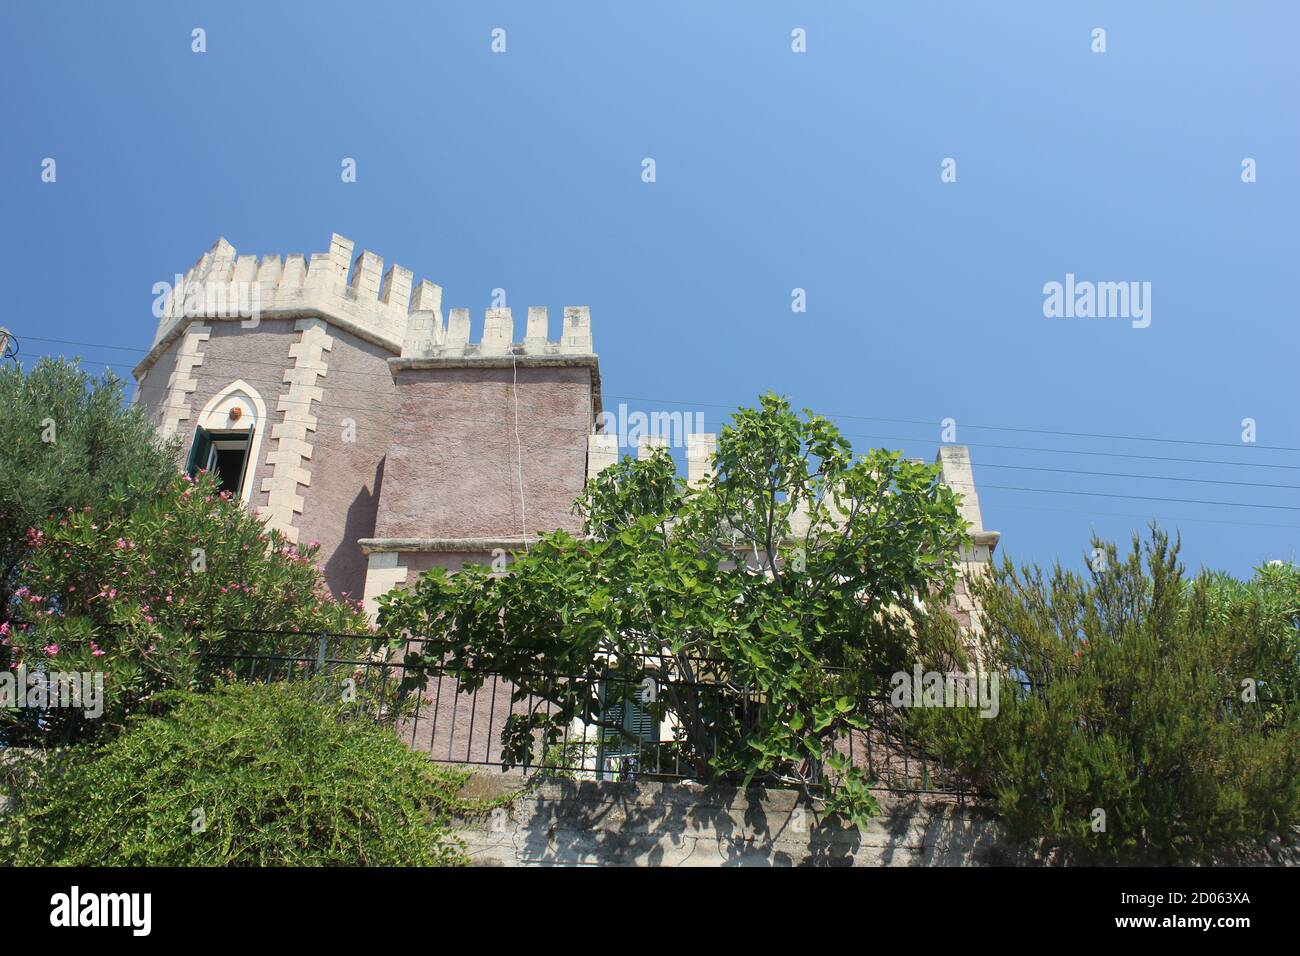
775	171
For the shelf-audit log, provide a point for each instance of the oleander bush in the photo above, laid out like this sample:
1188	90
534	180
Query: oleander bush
173	592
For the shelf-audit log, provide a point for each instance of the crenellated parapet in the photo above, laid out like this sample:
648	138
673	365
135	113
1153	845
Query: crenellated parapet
386	307
433	340
356	294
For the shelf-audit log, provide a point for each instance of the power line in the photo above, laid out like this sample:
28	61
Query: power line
582	449
1073	471
212	360
867	418
1005	428
1105	494
982	464
1115	474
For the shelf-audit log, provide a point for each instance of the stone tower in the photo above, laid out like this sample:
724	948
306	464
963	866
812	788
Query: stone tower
331	398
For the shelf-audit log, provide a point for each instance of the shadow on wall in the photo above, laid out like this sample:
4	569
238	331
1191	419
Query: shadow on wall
345	571
568	822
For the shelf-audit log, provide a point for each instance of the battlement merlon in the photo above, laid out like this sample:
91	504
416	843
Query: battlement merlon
384	307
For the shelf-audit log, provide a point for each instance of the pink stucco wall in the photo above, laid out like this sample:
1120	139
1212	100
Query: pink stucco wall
354	419
340	503
453	460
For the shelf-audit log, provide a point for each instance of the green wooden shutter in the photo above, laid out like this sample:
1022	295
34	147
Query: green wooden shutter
248	467
199	451
638	724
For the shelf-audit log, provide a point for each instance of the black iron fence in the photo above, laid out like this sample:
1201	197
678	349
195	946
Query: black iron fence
654	721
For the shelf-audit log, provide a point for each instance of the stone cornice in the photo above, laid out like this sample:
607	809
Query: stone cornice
987	539
444	545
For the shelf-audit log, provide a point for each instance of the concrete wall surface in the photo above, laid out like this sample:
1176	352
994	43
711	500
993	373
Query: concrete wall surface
644	823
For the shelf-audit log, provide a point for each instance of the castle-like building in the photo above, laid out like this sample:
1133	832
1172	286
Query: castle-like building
331	397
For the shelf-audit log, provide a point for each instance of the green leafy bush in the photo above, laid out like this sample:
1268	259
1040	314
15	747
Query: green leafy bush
249	775
1144	718
153	596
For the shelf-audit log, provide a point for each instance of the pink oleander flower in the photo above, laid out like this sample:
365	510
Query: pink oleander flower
4	628
120	544
51	649
95	650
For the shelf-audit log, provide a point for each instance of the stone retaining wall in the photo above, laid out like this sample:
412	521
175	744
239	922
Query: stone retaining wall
598	823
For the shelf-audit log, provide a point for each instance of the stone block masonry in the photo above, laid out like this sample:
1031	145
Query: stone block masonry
290	457
181	383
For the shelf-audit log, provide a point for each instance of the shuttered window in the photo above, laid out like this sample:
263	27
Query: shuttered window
638	723
225	454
